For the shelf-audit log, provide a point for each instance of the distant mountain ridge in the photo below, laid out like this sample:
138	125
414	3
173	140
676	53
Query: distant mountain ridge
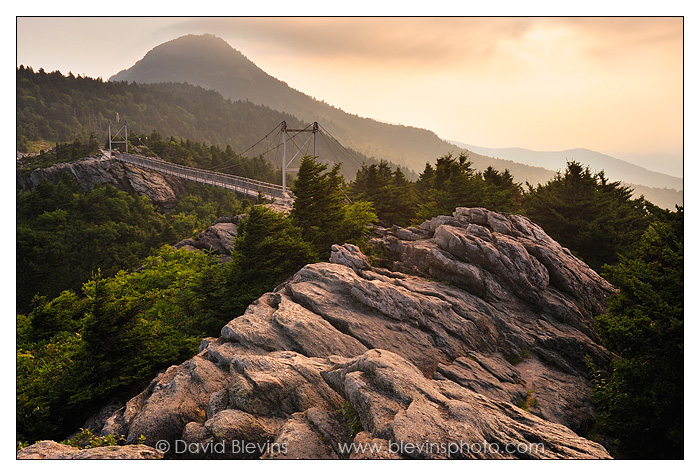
614	168
210	62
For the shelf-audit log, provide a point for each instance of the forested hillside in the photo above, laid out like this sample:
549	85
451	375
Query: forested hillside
210	62
65	234
57	108
53	108
98	332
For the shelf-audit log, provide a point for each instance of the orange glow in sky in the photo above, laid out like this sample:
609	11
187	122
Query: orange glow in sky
614	85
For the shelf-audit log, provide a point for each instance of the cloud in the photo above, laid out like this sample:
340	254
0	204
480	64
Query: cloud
411	42
594	82
516	47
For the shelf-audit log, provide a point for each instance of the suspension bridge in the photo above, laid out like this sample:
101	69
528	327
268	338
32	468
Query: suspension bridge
243	185
292	143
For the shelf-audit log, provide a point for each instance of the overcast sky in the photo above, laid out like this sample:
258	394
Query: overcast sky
614	85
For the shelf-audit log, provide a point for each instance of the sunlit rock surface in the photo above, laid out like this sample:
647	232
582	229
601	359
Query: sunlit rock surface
467	339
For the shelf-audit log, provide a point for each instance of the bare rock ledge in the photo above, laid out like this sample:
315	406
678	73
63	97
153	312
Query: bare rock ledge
468	341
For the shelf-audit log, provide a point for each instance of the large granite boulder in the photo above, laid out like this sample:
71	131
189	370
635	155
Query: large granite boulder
473	331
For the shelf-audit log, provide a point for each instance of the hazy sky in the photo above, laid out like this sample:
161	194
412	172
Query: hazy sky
614	85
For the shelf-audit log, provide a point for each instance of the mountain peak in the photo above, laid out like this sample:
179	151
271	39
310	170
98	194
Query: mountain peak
210	62
203	60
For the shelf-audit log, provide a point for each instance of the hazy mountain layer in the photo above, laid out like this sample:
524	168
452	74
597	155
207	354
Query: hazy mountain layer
614	168
210	62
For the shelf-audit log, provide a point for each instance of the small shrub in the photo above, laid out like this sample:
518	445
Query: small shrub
351	418
85	439
528	402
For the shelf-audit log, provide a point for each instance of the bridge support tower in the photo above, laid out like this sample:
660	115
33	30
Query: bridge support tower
118	134
285	135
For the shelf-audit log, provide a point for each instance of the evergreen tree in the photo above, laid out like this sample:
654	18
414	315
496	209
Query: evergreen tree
640	401
320	210
453	183
502	193
595	218
392	195
74	353
268	249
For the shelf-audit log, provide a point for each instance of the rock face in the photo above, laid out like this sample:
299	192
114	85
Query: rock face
469	341
92	171
52	450
218	238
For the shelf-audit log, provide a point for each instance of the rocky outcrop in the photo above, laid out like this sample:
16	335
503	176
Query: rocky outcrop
52	450
469	341
218	238
93	171
424	418
281	205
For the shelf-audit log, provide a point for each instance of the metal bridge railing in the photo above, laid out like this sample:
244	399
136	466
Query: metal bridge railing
231	182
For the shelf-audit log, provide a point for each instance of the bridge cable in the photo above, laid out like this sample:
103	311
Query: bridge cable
266	136
226	165
348	154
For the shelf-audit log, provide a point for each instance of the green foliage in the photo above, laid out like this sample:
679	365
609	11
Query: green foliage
320	210
454	183
43	386
121	332
61	152
351	418
529	401
502	193
391	194
47	319
640	400
268	249
85	439
595	218
65	234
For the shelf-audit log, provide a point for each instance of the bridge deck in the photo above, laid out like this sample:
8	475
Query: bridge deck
238	184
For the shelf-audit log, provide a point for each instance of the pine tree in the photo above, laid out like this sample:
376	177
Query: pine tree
392	195
268	249
595	218
640	401
502	193
453	183
320	210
